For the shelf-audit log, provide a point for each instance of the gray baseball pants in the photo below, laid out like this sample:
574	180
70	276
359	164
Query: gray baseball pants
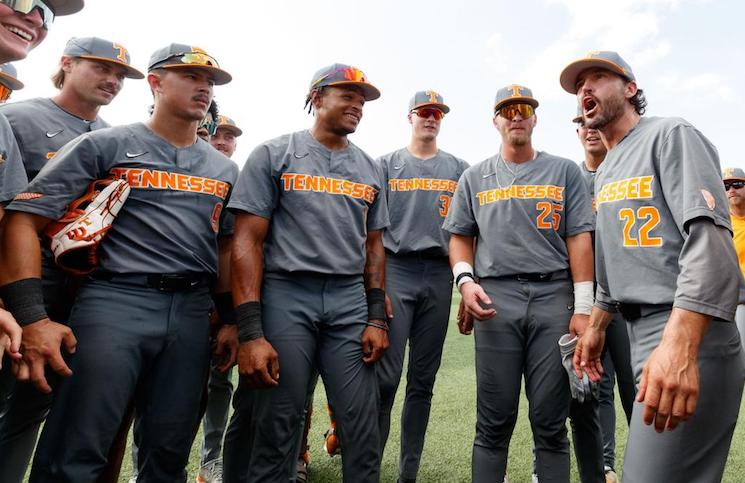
420	289
697	450
522	338
314	322
133	341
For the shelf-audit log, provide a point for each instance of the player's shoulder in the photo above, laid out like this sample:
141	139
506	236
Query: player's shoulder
452	159
393	155
27	107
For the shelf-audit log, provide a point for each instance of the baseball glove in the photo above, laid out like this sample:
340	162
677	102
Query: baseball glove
74	238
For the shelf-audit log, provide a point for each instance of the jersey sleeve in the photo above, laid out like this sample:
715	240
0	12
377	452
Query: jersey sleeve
257	190
12	172
377	217
63	179
710	276
578	204
462	167
690	178
461	218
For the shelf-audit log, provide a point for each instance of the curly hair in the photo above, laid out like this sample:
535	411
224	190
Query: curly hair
639	101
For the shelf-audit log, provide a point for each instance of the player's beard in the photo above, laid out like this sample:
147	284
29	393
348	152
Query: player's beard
610	110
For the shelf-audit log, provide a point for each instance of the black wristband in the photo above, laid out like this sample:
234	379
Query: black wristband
463	275
376	304
25	300
224	307
248	318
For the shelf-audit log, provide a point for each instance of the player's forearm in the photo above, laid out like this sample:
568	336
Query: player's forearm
686	329
599	318
20	251
581	258
461	249
247	260
375	261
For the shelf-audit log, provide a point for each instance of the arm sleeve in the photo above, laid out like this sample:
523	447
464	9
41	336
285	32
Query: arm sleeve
377	217
578	204
710	276
12	171
257	188
604	301
690	174
461	219
63	179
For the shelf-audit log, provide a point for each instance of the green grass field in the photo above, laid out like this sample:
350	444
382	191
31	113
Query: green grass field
447	452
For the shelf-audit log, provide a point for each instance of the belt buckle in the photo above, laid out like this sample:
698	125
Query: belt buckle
522	278
542	277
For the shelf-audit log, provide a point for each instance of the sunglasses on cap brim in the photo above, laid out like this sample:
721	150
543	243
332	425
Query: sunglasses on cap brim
510	111
426	113
28	6
733	184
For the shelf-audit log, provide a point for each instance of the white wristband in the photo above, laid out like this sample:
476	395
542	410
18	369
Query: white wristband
464	279
583	298
461	267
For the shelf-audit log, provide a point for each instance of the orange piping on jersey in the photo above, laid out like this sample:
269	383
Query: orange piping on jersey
521	192
322	184
164	180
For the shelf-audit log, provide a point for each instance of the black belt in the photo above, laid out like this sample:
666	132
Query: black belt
533	277
166	282
429	254
632	312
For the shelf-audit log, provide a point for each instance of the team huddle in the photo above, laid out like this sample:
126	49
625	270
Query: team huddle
139	266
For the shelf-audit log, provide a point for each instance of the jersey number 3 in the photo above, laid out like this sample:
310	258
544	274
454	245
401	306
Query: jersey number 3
445	205
649	218
549	217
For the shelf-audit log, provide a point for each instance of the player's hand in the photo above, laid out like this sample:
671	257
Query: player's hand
669	386
465	319
10	336
20	369
374	344
587	353
578	324
226	346
41	344
258	362
477	303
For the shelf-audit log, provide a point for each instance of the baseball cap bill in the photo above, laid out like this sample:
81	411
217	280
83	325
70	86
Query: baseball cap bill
94	48
9	77
224	122
175	56
428	98
514	94
578	117
733	174
604	59
340	75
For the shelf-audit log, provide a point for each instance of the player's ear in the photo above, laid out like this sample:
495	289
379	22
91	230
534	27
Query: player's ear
154	80
409	118
630	89
65	64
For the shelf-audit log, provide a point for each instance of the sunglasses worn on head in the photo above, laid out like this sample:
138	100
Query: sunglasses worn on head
509	112
733	184
351	74
426	113
198	58
4	93
28	6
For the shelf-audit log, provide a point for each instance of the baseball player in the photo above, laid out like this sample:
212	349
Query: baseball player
420	180
308	276
219	387
25	24
665	254
530	215
225	138
616	360
90	75
734	185
141	318
208	126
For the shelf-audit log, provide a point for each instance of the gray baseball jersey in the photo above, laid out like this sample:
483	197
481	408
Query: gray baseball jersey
12	173
663	175
521	213
169	223
320	203
419	193
41	128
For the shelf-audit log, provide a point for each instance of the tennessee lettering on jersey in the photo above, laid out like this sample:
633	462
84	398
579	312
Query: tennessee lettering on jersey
521	192
322	184
163	180
422	184
637	188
